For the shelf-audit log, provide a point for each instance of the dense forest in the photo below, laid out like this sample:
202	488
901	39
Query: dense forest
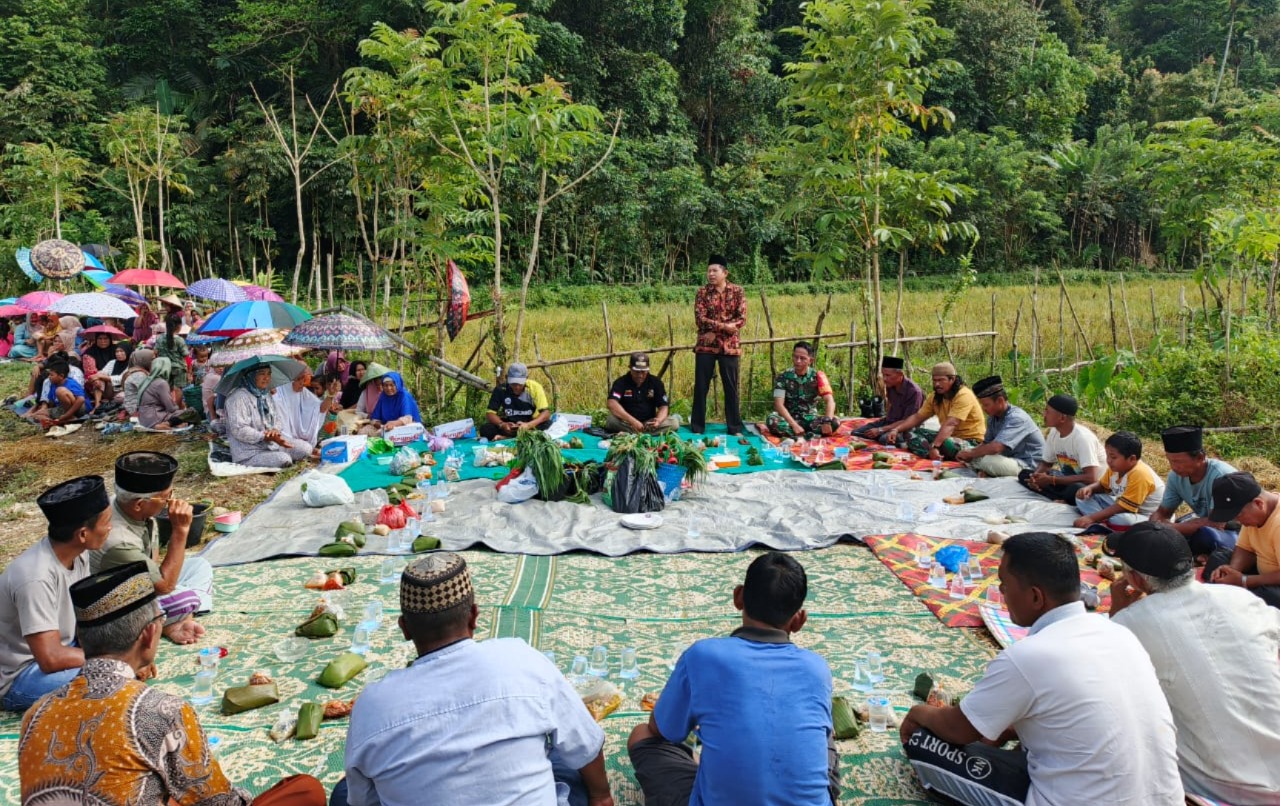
354	146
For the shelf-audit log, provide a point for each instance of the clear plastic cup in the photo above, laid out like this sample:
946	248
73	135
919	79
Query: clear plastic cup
629	670
550	655
861	675
202	687
210	657
598	664
579	667
965	574
956	589
878	710
937	575
390	570
924	556
994	596
373	612
360	640
875	666
695	527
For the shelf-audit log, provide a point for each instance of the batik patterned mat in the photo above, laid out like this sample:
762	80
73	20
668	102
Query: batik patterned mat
565	604
859	458
898	553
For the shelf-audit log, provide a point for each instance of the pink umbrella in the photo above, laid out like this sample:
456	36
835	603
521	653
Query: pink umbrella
38	301
96	329
7	311
148	277
257	292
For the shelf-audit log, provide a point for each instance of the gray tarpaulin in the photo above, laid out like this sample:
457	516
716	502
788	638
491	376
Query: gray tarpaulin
779	509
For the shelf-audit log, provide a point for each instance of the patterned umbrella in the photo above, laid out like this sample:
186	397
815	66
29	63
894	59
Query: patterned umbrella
339	331
127	295
38	301
194	340
58	259
257	292
242	316
218	290
23	256
147	277
255	342
108	329
101	306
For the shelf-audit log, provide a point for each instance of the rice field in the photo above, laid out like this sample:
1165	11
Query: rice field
566	333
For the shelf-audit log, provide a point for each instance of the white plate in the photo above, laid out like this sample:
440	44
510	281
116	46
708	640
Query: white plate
641	520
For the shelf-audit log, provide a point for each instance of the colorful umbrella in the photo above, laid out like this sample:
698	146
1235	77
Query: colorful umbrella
459	301
339	331
101	306
108	329
283	370
57	259
91	262
147	277
7	311
96	278
23	256
243	316
128	295
218	290
258	293
255	342
38	301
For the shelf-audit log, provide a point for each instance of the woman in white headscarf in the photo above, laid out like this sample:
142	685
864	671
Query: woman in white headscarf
300	412
254	422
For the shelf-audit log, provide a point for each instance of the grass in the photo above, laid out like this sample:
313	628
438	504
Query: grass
568	332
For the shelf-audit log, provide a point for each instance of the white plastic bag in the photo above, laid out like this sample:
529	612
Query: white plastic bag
520	489
323	490
406	460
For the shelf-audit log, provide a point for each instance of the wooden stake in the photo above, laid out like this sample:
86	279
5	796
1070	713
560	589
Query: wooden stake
853	335
1035	319
993	330
818	327
1062	295
1071	306
773	359
1182	316
608	343
537	353
1128	323
1017	320
942	331
1111	309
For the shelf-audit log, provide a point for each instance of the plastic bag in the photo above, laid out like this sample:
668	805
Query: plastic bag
951	557
633	491
324	490
600	696
520	489
405	461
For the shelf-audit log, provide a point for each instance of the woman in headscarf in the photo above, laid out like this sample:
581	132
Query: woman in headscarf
351	385
173	347
156	408
253	425
396	406
300	412
68	330
114	369
337	364
139	368
143	322
97	354
24	340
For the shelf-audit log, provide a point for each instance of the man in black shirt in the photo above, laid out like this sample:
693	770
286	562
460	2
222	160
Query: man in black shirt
638	402
517	404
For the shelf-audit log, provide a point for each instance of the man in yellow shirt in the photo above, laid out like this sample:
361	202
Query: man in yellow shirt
960	418
1254	564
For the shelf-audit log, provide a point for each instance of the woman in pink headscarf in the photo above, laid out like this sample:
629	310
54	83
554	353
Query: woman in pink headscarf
143	323
337	364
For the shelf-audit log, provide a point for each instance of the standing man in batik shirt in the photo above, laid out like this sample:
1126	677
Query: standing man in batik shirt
720	311
108	738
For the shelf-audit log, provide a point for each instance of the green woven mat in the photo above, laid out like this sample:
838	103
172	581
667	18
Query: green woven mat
565	604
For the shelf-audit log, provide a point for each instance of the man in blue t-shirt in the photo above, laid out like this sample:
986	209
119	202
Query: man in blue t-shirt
760	706
65	401
1190	482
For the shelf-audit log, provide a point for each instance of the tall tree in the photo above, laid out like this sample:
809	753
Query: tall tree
44	179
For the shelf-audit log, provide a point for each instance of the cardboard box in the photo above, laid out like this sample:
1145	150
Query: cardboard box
576	422
340	450
458	429
404	434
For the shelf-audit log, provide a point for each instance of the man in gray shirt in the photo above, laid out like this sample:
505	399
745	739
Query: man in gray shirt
1013	441
37	621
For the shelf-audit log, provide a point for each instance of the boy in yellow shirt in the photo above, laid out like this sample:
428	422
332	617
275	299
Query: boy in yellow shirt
1128	492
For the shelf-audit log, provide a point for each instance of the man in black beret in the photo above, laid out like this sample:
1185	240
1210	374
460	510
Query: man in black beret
905	399
1012	442
37	622
144	489
1191	477
1073	457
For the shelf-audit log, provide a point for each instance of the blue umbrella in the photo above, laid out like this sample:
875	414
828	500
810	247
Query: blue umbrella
96	278
253	315
218	290
91	262
23	256
127	294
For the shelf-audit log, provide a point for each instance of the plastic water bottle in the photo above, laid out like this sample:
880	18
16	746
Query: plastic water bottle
937	576
924	557
878	711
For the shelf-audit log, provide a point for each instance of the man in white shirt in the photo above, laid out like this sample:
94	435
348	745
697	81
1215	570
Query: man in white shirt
468	722
1214	648
1072	458
1079	693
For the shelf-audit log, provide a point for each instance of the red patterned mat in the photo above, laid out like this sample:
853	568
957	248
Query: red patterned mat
898	553
858	458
